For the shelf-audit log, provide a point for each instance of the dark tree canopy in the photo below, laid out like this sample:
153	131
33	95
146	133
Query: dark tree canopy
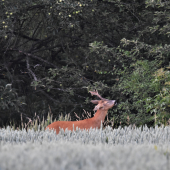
53	52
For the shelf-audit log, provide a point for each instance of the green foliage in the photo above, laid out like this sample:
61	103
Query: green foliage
138	87
159	104
9	98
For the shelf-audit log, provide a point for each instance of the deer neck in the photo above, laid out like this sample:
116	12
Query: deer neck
100	115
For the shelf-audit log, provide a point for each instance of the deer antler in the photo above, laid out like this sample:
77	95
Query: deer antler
97	94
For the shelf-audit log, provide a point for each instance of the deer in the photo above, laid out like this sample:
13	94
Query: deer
101	108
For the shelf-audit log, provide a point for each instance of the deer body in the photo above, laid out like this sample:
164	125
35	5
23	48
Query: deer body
102	108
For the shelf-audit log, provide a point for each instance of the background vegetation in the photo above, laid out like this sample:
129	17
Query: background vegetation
54	51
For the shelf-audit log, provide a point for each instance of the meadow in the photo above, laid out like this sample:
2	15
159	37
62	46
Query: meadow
128	148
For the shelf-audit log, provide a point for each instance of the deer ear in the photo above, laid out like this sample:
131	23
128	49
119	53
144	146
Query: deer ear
99	106
96	108
95	101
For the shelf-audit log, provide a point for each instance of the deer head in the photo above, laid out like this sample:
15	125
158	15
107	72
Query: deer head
103	104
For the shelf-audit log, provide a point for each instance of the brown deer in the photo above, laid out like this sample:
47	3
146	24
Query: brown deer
102	108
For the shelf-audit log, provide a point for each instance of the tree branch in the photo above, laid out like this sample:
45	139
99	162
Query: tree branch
28	68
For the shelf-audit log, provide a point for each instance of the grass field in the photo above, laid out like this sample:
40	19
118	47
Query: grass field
119	149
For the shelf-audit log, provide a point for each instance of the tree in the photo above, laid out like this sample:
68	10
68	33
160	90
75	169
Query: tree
53	52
